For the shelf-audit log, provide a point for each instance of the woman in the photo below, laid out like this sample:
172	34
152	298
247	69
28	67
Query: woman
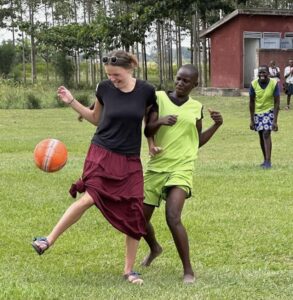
112	178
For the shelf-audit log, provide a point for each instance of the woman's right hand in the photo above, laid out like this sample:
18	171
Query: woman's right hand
251	126
65	95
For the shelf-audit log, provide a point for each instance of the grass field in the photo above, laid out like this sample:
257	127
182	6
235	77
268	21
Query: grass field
239	221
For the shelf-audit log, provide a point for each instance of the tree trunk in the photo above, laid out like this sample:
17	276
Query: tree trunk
144	61
179	48
159	55
33	46
138	58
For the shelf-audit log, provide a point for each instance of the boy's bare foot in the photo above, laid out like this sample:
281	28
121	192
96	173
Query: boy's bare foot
188	279
152	255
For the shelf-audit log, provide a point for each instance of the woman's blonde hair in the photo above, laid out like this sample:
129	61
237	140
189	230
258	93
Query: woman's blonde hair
121	58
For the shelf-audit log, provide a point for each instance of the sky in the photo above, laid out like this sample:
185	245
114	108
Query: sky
5	35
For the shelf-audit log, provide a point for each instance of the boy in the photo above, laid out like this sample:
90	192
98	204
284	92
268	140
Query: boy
176	125
264	105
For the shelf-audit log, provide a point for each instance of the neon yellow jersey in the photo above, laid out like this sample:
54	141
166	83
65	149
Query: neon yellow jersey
180	141
264	98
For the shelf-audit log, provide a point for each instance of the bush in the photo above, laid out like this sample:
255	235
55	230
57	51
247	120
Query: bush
64	68
84	99
33	102
58	102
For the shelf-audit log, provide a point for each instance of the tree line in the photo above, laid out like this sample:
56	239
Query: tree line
64	33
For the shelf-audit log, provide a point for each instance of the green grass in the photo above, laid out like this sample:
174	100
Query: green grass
239	221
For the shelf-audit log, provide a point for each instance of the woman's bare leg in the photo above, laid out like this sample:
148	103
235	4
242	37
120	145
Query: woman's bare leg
71	216
130	255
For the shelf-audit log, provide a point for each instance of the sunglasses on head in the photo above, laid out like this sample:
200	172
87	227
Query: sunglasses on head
110	59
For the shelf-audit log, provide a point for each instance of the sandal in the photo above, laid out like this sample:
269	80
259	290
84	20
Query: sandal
40	244
133	277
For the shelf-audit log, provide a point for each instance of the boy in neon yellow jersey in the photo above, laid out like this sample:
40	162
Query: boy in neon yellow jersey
264	105
176	125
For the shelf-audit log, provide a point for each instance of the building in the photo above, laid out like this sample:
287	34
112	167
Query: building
245	39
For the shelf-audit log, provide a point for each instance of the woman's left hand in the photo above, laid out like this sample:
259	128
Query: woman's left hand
65	95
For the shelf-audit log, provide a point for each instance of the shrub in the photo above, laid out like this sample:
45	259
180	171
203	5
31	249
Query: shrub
84	99
64	68
33	102
58	102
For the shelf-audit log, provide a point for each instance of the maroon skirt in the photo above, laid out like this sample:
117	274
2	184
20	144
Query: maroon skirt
115	182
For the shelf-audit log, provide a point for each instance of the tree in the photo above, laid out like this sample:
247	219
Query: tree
7	56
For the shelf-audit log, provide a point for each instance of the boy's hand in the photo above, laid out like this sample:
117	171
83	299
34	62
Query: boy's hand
168	120
216	116
155	150
275	126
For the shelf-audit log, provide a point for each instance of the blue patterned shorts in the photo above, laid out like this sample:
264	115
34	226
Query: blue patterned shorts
264	121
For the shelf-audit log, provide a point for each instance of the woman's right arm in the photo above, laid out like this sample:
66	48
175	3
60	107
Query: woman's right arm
93	116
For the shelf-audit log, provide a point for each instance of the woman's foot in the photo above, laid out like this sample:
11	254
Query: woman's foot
133	277
40	244
151	256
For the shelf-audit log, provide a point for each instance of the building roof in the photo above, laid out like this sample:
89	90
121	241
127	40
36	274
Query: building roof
256	11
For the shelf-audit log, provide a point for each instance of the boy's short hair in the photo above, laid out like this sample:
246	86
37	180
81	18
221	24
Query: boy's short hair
191	68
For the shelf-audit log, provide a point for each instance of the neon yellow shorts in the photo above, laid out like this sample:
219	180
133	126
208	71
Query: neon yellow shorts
156	185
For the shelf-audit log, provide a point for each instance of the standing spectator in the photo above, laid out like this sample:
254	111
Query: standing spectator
264	108
288	74
274	70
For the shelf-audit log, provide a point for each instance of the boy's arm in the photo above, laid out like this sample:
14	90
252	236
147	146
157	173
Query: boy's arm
153	149
276	112
251	107
205	136
151	115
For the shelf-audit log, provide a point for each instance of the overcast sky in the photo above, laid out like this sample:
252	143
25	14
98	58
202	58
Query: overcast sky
5	35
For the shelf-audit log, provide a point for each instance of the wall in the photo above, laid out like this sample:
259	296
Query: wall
280	56
226	55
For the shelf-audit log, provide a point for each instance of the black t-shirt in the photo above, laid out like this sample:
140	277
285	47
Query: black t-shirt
119	128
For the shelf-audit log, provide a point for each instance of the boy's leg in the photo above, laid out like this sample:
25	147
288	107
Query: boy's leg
71	216
174	205
150	237
288	100
262	146
268	147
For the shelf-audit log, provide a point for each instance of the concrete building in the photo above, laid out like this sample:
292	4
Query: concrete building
245	39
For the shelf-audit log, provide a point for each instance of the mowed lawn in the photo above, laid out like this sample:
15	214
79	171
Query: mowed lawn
240	219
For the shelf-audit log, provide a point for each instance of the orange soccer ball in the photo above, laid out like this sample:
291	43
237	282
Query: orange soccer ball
50	155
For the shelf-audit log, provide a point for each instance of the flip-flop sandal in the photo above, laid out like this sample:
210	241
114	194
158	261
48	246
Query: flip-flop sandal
133	277
40	244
